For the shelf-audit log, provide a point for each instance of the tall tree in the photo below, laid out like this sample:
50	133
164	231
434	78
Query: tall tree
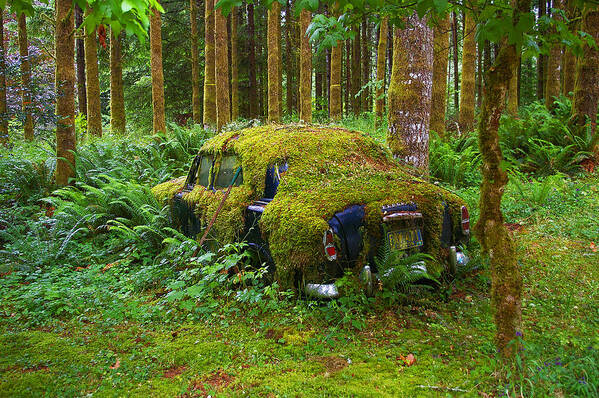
80	57
118	121
335	104
366	100
234	67
209	69
467	99
586	87
541	59
356	72
569	60
440	60
512	95
159	119
253	91
221	45
552	83
381	53
3	115
305	81
455	55
274	62
26	96
347	78
289	58
409	97
94	108
65	92
196	107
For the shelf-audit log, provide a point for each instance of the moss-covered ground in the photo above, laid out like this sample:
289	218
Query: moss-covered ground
298	348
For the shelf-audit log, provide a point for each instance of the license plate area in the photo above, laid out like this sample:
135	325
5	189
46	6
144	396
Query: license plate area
405	239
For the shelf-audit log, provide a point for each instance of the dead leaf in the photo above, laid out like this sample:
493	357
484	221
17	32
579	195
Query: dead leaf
410	360
593	247
116	365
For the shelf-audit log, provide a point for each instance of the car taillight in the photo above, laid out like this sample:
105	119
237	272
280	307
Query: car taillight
465	221
329	245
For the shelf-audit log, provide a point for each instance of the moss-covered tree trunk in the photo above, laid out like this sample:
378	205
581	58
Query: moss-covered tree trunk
158	111
4	139
541	59
221	45
253	90
552	83
274	62
26	96
289	58
209	68
65	92
455	55
234	67
381	53
118	120
356	72
80	60
440	61
335	107
467	89
196	107
586	86
305	83
513	95
410	92
569	60
366	99
94	109
490	229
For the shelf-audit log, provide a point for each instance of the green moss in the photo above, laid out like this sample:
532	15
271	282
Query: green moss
329	170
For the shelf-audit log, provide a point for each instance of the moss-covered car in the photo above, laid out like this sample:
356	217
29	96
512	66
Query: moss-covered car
313	201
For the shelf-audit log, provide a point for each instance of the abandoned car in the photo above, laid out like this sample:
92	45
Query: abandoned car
312	202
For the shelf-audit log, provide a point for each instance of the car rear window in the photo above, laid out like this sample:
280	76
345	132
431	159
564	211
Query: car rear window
226	172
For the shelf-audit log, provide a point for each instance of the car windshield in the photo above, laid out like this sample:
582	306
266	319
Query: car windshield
226	172
204	171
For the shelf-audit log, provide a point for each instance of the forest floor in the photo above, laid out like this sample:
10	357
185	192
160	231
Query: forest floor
438	344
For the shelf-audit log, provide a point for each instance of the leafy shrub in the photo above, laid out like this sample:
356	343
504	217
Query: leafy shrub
455	161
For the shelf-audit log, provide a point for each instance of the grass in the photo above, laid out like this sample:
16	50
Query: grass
114	315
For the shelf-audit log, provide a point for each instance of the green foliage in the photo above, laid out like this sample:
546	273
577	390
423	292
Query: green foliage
455	161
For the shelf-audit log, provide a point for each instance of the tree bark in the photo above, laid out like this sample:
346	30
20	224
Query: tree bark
356	72
234	67
26	97
552	83
305	83
456	74
223	105
118	120
196	107
94	110
569	60
479	76
253	92
335	111
347	80
65	92
209	68
159	118
289	57
467	92
4	138
80	47
274	62
366	99
410	92
440	61
512	95
381	52
586	87
541	59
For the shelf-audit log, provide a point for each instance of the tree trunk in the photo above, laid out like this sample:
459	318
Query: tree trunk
347	87
305	83
94	110
209	68
512	95
381	52
456	73
158	122
25	78
289	59
441	58
410	92
118	121
479	76
335	111
541	59
318	86
356	72
4	139
196	107
586	87
65	92
223	106
274	62
234	67
80	57
552	83
253	92
569	60
468	64
366	100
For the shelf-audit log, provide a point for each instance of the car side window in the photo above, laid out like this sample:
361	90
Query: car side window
274	174
226	171
205	171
